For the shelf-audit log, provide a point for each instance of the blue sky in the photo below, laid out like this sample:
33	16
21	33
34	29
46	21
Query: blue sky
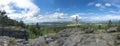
32	11
70	6
65	6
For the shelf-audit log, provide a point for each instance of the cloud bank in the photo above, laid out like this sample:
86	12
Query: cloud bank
24	10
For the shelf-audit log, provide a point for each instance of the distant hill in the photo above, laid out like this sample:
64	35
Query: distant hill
51	23
82	22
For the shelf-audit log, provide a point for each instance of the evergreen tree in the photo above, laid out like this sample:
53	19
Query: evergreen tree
6	21
37	25
3	18
119	26
109	23
21	23
99	26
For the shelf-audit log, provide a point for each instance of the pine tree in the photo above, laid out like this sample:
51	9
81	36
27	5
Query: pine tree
119	26
37	26
3	18
21	23
109	23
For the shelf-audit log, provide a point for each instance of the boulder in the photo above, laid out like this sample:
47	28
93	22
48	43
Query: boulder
112	29
89	30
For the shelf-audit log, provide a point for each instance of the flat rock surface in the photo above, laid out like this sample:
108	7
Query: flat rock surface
74	37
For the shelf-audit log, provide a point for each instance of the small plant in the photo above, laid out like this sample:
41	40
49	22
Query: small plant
11	42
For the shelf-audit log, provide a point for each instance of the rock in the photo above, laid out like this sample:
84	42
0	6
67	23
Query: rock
48	39
89	30
75	38
67	37
37	42
13	32
112	29
9	41
101	43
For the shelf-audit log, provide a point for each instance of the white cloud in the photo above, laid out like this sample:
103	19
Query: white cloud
64	17
102	18
74	16
28	12
107	4
115	3
102	6
98	5
55	17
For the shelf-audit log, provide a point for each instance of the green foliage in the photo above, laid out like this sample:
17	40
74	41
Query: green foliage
6	21
21	24
34	30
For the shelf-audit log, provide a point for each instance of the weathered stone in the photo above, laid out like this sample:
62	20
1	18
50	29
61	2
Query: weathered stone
112	29
37	42
69	37
12	32
80	39
89	31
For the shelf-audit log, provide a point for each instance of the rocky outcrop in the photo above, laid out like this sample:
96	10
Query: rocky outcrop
13	32
37	42
75	37
10	41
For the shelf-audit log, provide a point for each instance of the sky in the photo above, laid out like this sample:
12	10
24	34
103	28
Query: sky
33	11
